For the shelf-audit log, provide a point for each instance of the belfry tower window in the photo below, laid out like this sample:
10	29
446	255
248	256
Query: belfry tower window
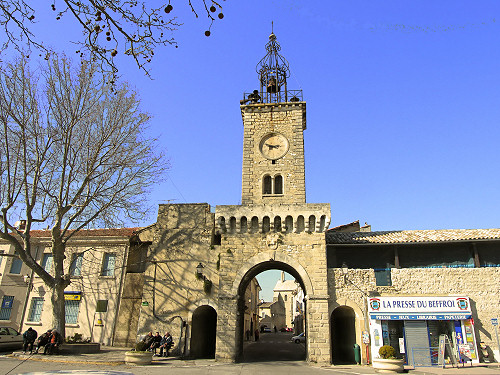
272	185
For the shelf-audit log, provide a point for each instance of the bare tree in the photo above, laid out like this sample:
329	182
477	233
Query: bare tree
133	27
73	152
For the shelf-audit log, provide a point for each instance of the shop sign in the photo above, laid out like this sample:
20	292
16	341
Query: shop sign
419	308
366	337
494	321
72	296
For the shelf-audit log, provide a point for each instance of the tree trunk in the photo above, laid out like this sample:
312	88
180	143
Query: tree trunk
58	310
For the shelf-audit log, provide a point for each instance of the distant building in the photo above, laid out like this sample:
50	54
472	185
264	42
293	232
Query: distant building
252	308
272	314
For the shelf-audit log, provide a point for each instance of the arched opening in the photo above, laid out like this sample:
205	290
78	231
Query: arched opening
243	225
322	223
343	335
254	224
289	224
267	185
277	224
278	184
266	224
277	320
300	224
203	332
232	225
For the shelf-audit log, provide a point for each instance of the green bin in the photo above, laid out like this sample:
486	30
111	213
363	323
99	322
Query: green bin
357	353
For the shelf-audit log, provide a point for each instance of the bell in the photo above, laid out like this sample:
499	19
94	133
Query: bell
271	86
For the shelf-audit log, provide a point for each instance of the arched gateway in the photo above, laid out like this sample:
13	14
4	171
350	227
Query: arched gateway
203	258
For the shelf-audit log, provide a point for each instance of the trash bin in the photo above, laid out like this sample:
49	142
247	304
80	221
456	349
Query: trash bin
357	353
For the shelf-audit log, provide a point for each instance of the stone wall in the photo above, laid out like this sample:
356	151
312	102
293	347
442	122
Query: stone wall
259	120
481	285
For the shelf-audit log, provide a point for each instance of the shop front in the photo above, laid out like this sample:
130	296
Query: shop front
424	330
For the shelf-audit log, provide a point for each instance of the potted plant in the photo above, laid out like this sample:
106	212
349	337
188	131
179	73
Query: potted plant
387	361
139	356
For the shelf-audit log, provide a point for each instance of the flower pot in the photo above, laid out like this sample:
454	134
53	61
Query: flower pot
138	358
388	365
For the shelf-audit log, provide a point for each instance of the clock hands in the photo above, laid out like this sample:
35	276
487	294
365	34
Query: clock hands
272	146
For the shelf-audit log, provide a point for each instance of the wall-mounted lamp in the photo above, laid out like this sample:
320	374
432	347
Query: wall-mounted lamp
26	279
199	272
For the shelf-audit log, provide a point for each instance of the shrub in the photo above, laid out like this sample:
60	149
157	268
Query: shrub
387	352
140	346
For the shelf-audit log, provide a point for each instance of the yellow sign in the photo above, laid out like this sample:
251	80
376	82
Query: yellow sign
72	297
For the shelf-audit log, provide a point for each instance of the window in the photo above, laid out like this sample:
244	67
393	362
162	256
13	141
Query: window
6	309
35	309
16	265
383	277
71	309
108	264
102	305
267	185
278	185
47	262
75	268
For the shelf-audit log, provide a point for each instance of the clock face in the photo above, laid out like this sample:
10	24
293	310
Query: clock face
274	146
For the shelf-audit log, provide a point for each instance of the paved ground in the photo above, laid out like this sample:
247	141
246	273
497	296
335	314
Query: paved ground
111	359
273	347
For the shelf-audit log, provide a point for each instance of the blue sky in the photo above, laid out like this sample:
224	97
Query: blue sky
402	105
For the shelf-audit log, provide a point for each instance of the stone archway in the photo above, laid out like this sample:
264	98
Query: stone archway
244	281
343	335
203	332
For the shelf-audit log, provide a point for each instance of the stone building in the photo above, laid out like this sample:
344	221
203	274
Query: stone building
95	261
272	314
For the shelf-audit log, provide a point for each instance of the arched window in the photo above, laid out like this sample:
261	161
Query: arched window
222	223
254	225
300	224
312	223
278	184
232	225
266	224
267	185
289	224
243	224
277	224
322	223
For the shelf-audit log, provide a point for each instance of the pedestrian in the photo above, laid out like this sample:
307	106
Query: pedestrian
29	338
42	340
55	342
248	334
166	343
275	329
148	340
256	335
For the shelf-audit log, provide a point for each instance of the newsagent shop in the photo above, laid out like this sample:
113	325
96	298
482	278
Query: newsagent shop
412	325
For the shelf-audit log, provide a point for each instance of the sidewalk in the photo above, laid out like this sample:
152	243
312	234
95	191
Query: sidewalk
113	356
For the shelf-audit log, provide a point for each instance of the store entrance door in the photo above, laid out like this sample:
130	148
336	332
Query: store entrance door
417	337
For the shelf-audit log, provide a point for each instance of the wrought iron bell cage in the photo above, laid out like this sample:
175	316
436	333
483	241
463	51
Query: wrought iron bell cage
273	71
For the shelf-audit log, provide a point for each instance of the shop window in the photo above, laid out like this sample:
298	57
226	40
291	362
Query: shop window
75	269
383	277
102	305
71	309
35	311
16	265
268	185
6	310
47	262
108	264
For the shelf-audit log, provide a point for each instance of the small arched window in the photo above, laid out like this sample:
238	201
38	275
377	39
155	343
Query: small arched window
243	224
254	225
277	224
232	225
267	185
266	224
289	224
300	224
312	223
278	184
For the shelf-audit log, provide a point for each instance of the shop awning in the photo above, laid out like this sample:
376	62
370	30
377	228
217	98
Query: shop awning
447	316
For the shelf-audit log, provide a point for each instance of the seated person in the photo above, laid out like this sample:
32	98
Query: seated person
29	338
55	342
155	342
43	340
166	343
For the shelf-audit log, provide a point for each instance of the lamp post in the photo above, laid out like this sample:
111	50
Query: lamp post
199	271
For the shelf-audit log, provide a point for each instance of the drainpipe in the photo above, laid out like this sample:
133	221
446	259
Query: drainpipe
30	286
120	292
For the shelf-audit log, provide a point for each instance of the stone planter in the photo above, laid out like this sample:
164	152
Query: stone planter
138	358
388	365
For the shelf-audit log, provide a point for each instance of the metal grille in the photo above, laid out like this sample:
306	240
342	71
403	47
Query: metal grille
425	357
6	309
35	309
71	309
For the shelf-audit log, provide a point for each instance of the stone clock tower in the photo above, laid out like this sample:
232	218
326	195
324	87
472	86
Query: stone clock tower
274	227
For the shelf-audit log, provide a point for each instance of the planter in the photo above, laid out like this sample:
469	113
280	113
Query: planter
138	358
388	365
